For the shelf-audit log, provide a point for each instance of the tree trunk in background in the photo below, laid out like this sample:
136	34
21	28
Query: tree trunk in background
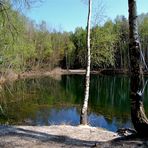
138	116
83	117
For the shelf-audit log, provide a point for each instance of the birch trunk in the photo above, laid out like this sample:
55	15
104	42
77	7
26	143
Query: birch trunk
138	116
83	117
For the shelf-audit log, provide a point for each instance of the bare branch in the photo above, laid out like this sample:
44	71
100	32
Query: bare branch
98	12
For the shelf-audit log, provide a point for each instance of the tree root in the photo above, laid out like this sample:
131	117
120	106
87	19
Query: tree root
126	131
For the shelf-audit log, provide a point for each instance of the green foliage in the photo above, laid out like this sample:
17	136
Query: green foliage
122	54
80	52
15	47
26	45
43	46
143	29
103	43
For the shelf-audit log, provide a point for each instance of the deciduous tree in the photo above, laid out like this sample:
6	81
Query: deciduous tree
83	118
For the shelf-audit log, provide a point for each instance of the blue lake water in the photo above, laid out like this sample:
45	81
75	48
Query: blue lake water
46	101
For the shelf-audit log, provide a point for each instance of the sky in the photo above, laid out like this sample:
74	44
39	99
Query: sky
66	15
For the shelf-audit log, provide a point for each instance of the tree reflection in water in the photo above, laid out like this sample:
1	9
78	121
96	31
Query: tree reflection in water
45	101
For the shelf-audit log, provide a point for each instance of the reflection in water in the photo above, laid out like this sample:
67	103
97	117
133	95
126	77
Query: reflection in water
45	101
54	116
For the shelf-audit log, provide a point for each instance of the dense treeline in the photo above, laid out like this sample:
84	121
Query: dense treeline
26	45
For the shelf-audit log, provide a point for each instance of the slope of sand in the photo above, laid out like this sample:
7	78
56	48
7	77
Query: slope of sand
65	136
52	136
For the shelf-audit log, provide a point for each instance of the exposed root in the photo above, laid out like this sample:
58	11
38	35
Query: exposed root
126	131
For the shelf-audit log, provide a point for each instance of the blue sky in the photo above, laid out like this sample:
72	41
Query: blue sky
69	14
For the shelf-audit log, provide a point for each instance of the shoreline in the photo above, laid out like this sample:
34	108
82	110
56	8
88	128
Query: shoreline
57	73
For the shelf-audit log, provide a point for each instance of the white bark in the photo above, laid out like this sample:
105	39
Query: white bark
87	81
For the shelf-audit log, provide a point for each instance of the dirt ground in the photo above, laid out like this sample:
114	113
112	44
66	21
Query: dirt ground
64	136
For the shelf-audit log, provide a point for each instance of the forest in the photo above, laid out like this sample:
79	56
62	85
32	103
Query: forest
27	46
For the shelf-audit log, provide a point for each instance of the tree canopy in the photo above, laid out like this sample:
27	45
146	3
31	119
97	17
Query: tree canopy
26	45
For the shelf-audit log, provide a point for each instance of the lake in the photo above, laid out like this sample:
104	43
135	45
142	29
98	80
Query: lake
46	101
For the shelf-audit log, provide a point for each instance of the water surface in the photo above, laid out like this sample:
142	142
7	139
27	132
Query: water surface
46	101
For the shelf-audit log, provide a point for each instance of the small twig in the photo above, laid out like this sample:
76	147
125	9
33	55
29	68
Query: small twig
9	90
1	109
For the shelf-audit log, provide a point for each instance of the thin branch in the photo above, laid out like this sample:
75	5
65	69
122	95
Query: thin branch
98	12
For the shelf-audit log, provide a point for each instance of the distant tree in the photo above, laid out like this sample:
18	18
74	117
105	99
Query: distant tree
103	43
67	61
43	44
138	116
122	52
143	31
79	52
83	118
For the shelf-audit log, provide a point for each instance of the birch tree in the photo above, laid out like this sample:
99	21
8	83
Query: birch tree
138	116
83	117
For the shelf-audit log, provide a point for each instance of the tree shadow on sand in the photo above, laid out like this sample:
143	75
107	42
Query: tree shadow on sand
40	137
9	134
